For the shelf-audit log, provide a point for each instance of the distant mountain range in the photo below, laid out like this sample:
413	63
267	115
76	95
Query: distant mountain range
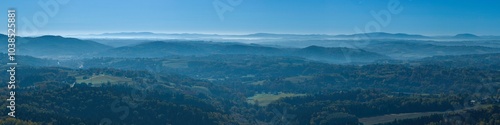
374	35
57	47
382	35
466	36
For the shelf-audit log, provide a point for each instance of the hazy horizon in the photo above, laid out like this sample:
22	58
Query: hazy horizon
230	34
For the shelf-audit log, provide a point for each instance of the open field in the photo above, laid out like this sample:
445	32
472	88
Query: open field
102	79
266	99
175	64
392	117
298	79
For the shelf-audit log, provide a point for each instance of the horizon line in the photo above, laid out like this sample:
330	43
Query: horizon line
232	34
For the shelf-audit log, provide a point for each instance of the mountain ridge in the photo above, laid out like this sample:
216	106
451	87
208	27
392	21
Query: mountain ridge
200	48
53	46
376	35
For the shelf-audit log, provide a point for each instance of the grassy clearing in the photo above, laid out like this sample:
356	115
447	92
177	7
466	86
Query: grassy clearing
266	99
176	64
298	79
258	83
103	79
392	117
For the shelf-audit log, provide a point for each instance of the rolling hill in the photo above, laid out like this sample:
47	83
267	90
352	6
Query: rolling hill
55	47
200	48
417	49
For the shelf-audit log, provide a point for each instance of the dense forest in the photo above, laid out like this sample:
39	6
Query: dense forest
216	90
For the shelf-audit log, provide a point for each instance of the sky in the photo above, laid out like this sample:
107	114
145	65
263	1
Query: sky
426	17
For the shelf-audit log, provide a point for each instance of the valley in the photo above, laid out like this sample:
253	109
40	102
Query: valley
413	81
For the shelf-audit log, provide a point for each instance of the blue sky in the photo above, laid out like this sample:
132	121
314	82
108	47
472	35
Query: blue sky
427	17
